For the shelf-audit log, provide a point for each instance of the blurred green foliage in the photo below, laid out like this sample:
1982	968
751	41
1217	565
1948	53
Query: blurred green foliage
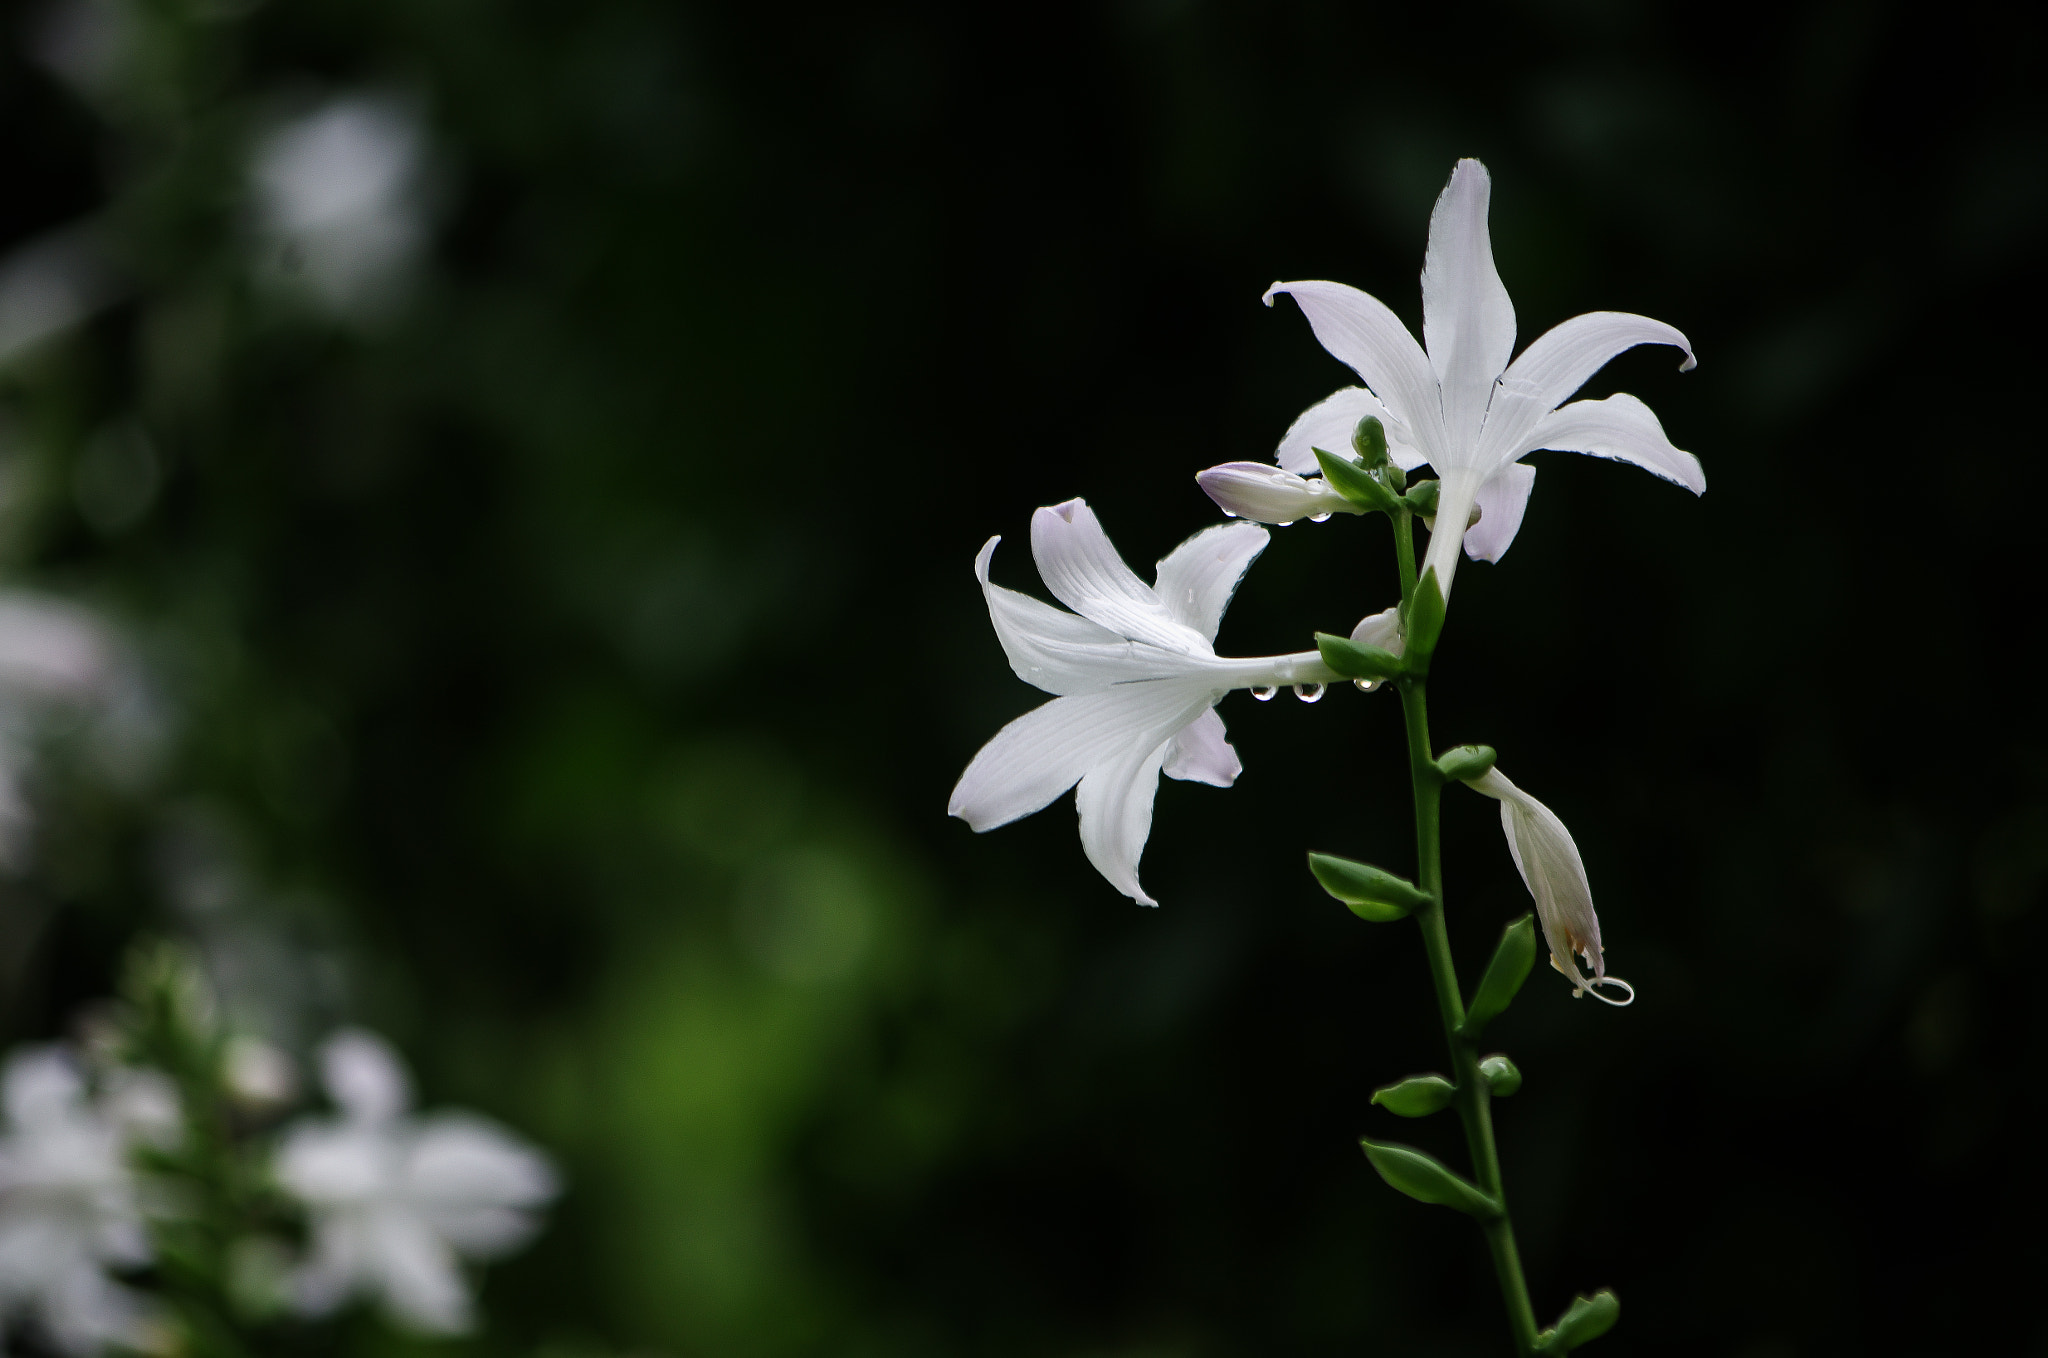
565	659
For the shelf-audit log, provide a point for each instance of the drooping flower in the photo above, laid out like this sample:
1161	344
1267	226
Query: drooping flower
1556	877
69	1201
1138	679
396	1200
1458	404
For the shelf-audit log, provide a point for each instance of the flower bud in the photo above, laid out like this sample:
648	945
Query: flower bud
1466	762
1266	494
1369	441
1502	1076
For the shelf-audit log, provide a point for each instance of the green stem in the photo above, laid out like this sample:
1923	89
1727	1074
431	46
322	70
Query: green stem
1404	551
1474	1102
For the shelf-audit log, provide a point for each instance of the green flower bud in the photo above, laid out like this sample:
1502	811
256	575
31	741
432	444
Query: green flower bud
1585	1320
1512	959
1354	660
1426	1179
1501	1075
1356	484
1415	1097
1422	500
1465	763
1369	441
1373	894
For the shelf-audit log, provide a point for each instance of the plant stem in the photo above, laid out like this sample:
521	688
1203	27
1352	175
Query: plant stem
1474	1102
1404	551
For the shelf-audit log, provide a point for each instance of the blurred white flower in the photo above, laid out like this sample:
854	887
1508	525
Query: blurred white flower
1138	676
50	285
56	659
1457	403
395	1200
339	197
1556	877
68	1198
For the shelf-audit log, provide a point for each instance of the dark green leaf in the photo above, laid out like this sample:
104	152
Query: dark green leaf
1354	661
1504	975
1372	893
1356	484
1415	1097
1427	1179
1585	1320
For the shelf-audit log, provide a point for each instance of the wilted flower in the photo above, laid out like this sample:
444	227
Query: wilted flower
69	1207
1138	678
1460	405
396	1200
1556	876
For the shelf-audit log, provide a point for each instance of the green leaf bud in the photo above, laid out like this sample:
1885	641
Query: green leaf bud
1466	762
1512	959
1585	1320
1415	1097
1502	1076
1369	441
1372	893
1422	618
1426	1179
1356	484
1355	660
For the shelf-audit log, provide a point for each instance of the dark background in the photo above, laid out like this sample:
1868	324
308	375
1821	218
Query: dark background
567	671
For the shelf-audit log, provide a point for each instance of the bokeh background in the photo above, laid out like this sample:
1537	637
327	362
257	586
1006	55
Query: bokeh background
533	456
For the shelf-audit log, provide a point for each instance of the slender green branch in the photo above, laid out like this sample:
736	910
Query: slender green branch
1404	551
1474	1102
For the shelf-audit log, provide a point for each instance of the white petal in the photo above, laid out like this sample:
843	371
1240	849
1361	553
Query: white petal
364	1077
1458	491
1197	578
1357	328
1623	428
1202	753
1329	424
324	1162
1084	572
471	1179
52	649
421	1284
1267	494
41	1088
1046	751
1560	360
1551	868
1501	501
1381	629
343	1245
1062	652
1468	322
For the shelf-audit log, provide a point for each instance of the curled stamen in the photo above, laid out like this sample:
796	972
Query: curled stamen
1599	981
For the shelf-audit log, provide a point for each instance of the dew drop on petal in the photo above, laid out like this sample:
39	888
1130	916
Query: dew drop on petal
1229	513
1323	517
1285	523
1264	692
1309	693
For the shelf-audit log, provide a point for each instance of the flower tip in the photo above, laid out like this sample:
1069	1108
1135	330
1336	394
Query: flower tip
1278	286
1689	364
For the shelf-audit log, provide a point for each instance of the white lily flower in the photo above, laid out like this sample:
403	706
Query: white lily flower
1556	877
1138	680
69	1208
396	1200
1459	404
1263	494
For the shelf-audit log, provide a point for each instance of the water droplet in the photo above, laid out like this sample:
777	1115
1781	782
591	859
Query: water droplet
1264	692
1323	517
1309	693
1366	685
1285	523
1229	513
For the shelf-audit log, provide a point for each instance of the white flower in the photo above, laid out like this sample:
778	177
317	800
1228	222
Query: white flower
1263	494
395	1200
1138	678
1556	876
68	1199
1460	405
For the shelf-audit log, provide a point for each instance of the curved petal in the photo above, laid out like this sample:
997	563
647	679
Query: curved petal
1381	629
1328	425
1623	428
1202	753
1502	501
1082	569
1197	578
1358	329
1063	652
1558	362
1047	750
418	1276
1468	323
1115	796
364	1076
1551	868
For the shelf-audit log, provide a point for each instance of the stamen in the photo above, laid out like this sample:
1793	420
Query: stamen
1597	982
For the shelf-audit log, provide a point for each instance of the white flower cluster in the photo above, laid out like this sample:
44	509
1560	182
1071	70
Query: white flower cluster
1134	666
393	1202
